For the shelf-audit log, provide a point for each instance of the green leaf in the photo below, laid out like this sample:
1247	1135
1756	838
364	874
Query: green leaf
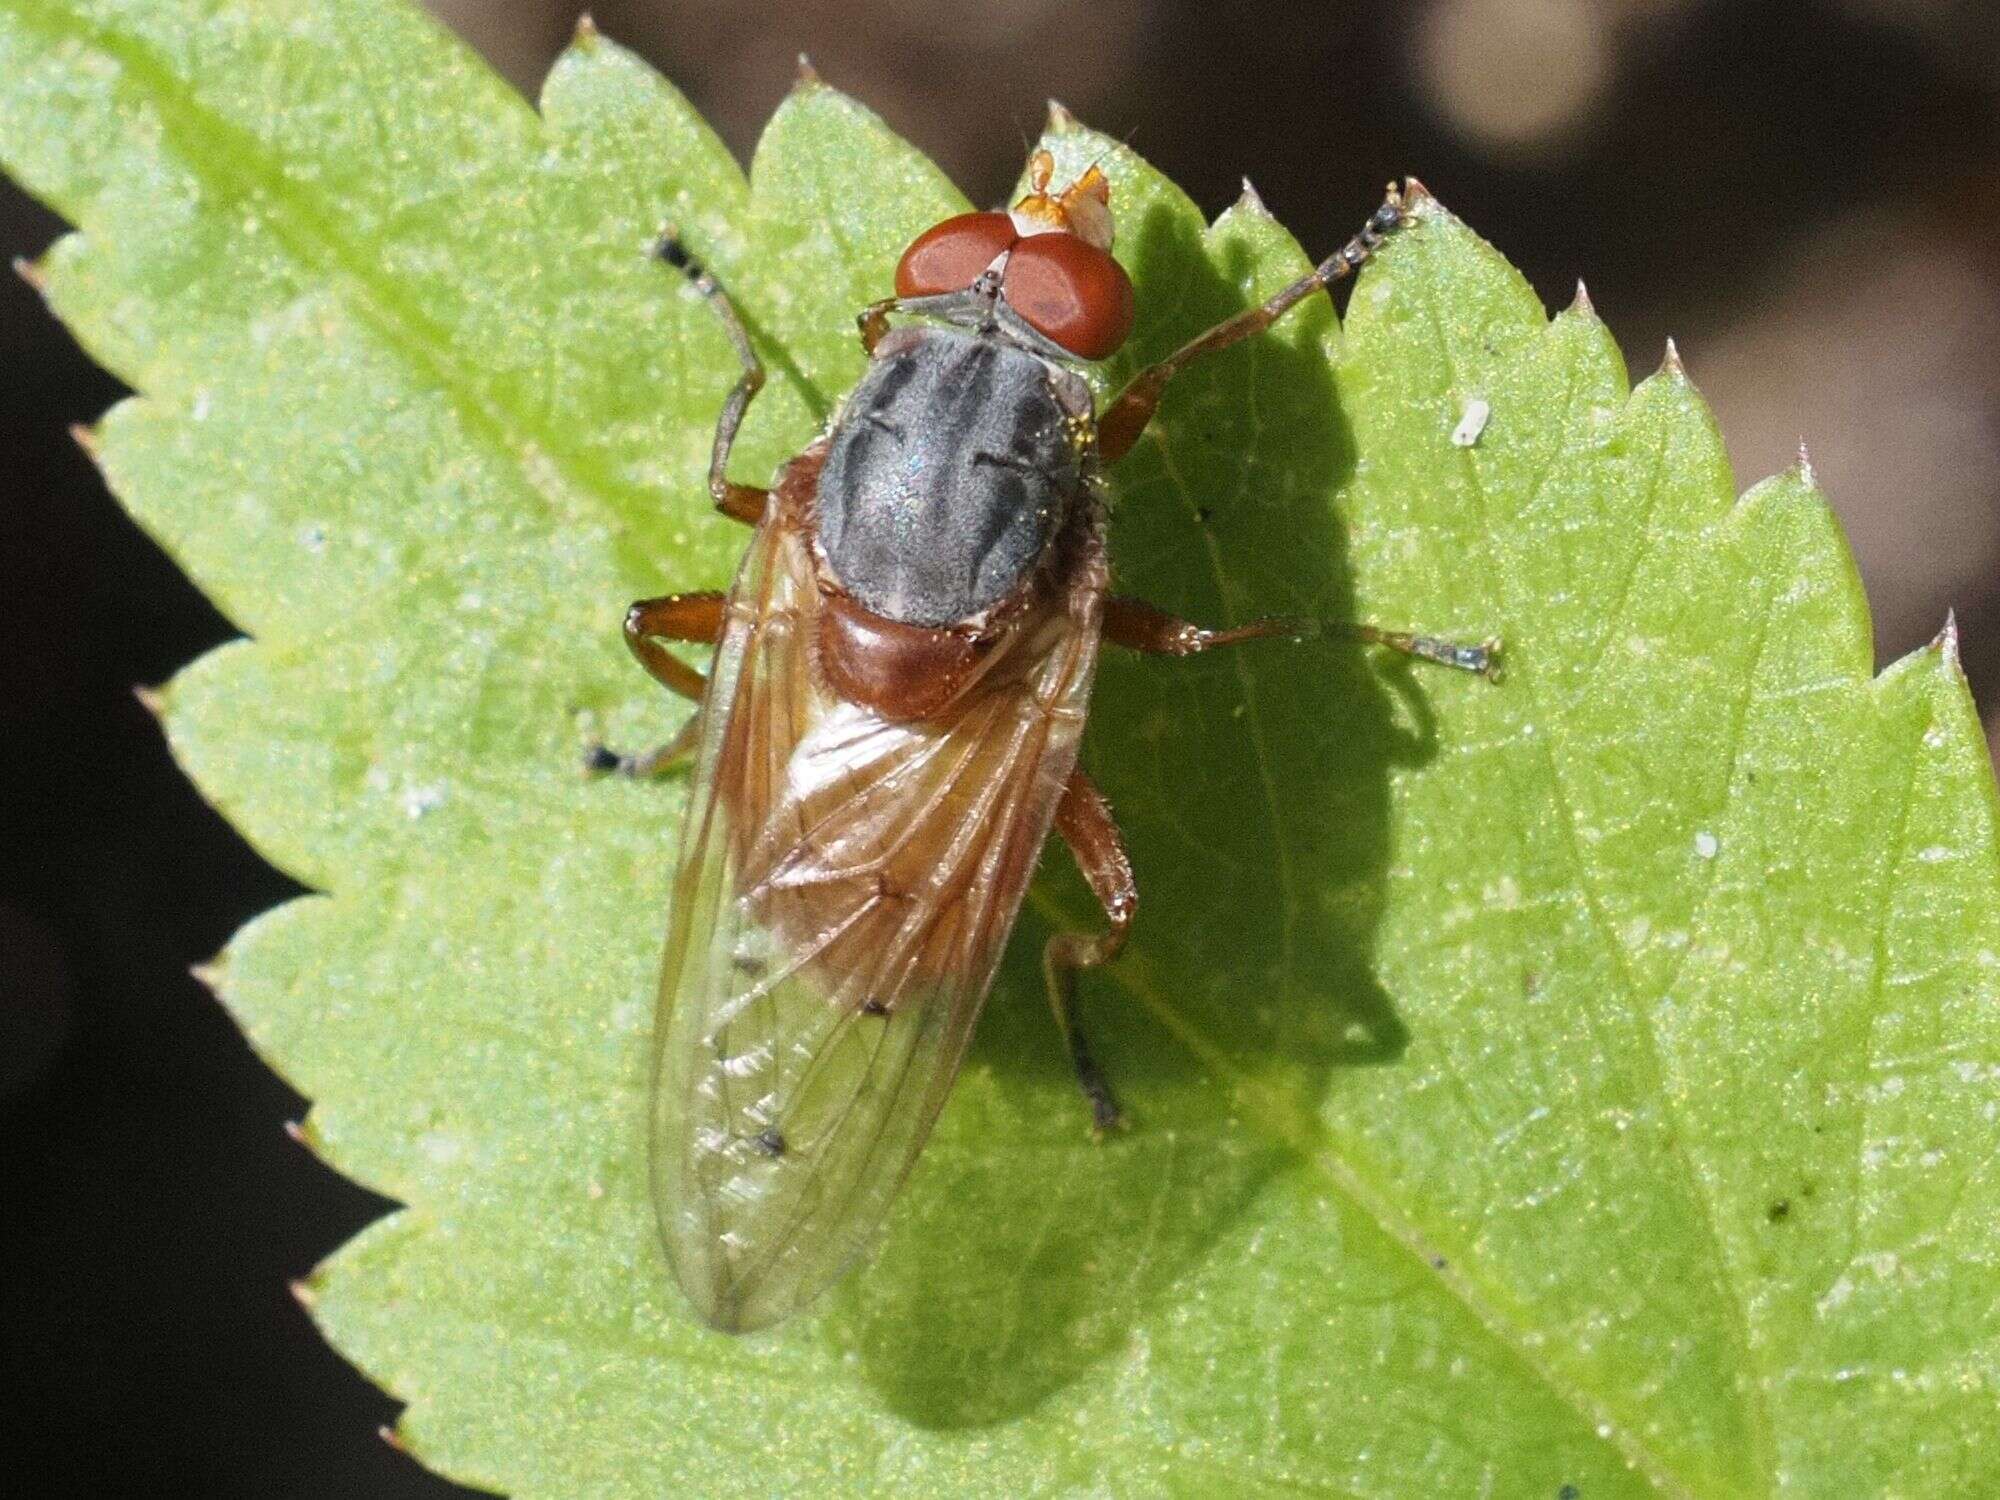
1585	1081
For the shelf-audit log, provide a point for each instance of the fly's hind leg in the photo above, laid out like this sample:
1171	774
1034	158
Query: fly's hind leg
740	502
648	624
1083	818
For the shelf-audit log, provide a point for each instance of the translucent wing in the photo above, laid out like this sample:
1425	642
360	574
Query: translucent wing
845	888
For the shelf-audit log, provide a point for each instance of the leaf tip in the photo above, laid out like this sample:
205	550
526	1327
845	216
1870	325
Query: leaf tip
152	699
806	76
1060	121
1250	201
85	438
1417	199
586	33
1946	641
1581	304
1671	366
304	1293
31	273
208	975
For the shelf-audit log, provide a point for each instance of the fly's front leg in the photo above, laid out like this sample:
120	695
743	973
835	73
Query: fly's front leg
1083	818
649	623
873	320
1128	415
740	502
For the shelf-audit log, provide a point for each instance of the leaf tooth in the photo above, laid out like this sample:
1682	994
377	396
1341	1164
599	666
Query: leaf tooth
586	33
1945	643
1250	201
154	701
1060	121
393	1438
806	76
32	273
208	975
1581	304
1671	366
1418	200
1804	467
304	1292
302	1135
85	437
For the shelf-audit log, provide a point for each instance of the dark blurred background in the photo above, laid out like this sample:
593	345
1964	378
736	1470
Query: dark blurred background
1805	194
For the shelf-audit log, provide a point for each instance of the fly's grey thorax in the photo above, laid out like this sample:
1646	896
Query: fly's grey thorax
949	471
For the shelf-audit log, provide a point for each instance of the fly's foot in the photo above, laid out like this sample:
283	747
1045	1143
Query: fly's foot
1481	658
600	760
1105	1115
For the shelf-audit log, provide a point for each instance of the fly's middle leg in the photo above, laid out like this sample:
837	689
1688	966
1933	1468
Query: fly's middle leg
1083	818
648	624
1138	626
674	617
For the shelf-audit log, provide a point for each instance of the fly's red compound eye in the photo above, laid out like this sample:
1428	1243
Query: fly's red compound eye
1070	291
948	257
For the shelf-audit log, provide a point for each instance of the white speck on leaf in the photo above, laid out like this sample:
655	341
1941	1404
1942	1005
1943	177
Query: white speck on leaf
1472	423
418	800
1705	844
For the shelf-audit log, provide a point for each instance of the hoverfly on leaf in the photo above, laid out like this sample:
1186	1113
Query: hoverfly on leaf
889	731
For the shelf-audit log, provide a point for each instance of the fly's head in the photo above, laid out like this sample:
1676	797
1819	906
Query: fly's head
1041	273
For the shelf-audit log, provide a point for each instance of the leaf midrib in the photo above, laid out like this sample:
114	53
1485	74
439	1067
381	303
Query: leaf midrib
1299	1131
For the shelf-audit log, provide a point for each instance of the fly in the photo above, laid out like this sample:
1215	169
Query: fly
889	731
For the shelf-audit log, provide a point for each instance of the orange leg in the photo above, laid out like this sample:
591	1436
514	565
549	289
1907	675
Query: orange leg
1138	626
1083	818
672	617
1127	416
